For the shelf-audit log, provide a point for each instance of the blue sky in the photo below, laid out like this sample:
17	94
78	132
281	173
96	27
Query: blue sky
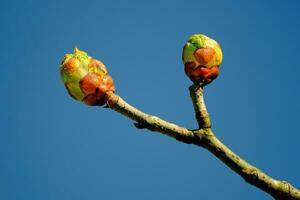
54	148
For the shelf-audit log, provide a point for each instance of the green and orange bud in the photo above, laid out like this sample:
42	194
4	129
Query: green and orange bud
86	78
201	57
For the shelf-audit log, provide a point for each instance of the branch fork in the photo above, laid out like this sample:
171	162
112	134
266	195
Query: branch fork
204	137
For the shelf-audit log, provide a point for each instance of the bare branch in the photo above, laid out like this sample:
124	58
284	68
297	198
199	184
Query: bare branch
202	116
280	190
150	122
204	137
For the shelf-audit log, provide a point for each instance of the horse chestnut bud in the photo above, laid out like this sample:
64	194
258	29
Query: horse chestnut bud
86	78
201	57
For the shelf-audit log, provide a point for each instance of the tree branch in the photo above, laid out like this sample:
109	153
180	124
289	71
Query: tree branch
202	116
150	122
280	190
204	137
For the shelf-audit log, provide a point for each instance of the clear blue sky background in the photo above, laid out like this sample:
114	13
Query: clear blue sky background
54	148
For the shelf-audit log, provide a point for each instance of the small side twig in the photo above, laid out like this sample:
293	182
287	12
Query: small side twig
202	116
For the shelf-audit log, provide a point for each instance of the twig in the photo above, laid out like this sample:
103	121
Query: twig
204	137
150	122
202	116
